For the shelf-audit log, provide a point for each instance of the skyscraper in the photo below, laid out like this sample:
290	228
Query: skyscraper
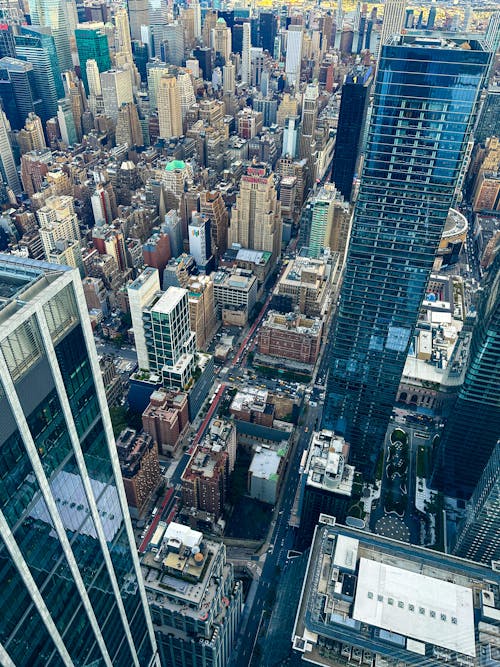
46	42
352	116
256	219
8	171
116	90
138	12
478	534
293	54
54	14
18	90
309	118
72	590
221	38
246	62
267	30
169	108
393	21
92	44
123	41
417	140
31	49
476	414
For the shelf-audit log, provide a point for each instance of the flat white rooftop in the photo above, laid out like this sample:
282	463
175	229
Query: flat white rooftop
416	606
168	301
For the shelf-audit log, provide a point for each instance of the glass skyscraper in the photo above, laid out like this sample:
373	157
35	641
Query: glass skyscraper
472	428
92	44
71	592
424	107
54	14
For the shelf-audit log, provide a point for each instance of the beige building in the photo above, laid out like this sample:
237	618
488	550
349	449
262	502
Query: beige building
213	206
289	107
58	222
116	89
128	128
169	108
221	39
256	219
307	285
202	318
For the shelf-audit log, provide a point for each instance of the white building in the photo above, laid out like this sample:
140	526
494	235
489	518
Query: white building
7	165
199	238
116	89
293	54
246	58
140	293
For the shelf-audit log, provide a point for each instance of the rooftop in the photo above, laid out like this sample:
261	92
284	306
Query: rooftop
396	601
326	464
250	398
175	164
169	300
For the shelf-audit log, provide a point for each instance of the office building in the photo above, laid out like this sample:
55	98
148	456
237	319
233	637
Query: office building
140	468
398	221
173	43
58	221
293	54
229	78
186	92
122	31
92	44
173	227
40	39
325	222
63	500
326	482
155	70
246	55
18	91
170	342
196	618
290	337
205	480
202	315
392	22
306	284
256	219
66	122
116	88
166	419
235	290
354	100
128	127
476	412
8	169
31	137
138	13
309	119
204	56
267	31
140	293
221	39
55	15
388	603
169	107
212	205
199	239
478	533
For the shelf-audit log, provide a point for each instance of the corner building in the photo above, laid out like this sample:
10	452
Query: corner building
72	592
425	103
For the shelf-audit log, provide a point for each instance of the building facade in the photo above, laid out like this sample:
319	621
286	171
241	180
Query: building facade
406	190
72	589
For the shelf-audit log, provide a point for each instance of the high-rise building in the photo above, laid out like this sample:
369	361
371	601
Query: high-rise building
246	55
202	317
92	44
489	119
174	44
256	219
116	90
293	60
8	170
309	118
192	627
186	92
325	222
138	12
212	205
128	128
169	340
169	108
221	39
352	116
155	70
55	14
18	91
229	78
476	413
392	22
267	30
66	122
407	187
122	27
72	590
47	43
199	239
140	294
478	534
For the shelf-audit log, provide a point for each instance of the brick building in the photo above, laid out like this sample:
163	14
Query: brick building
291	336
166	419
138	456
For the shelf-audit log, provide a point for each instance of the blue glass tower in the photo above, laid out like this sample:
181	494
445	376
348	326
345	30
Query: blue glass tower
72	592
424	107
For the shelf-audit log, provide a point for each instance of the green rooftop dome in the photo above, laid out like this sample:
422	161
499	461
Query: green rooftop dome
221	20
175	164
